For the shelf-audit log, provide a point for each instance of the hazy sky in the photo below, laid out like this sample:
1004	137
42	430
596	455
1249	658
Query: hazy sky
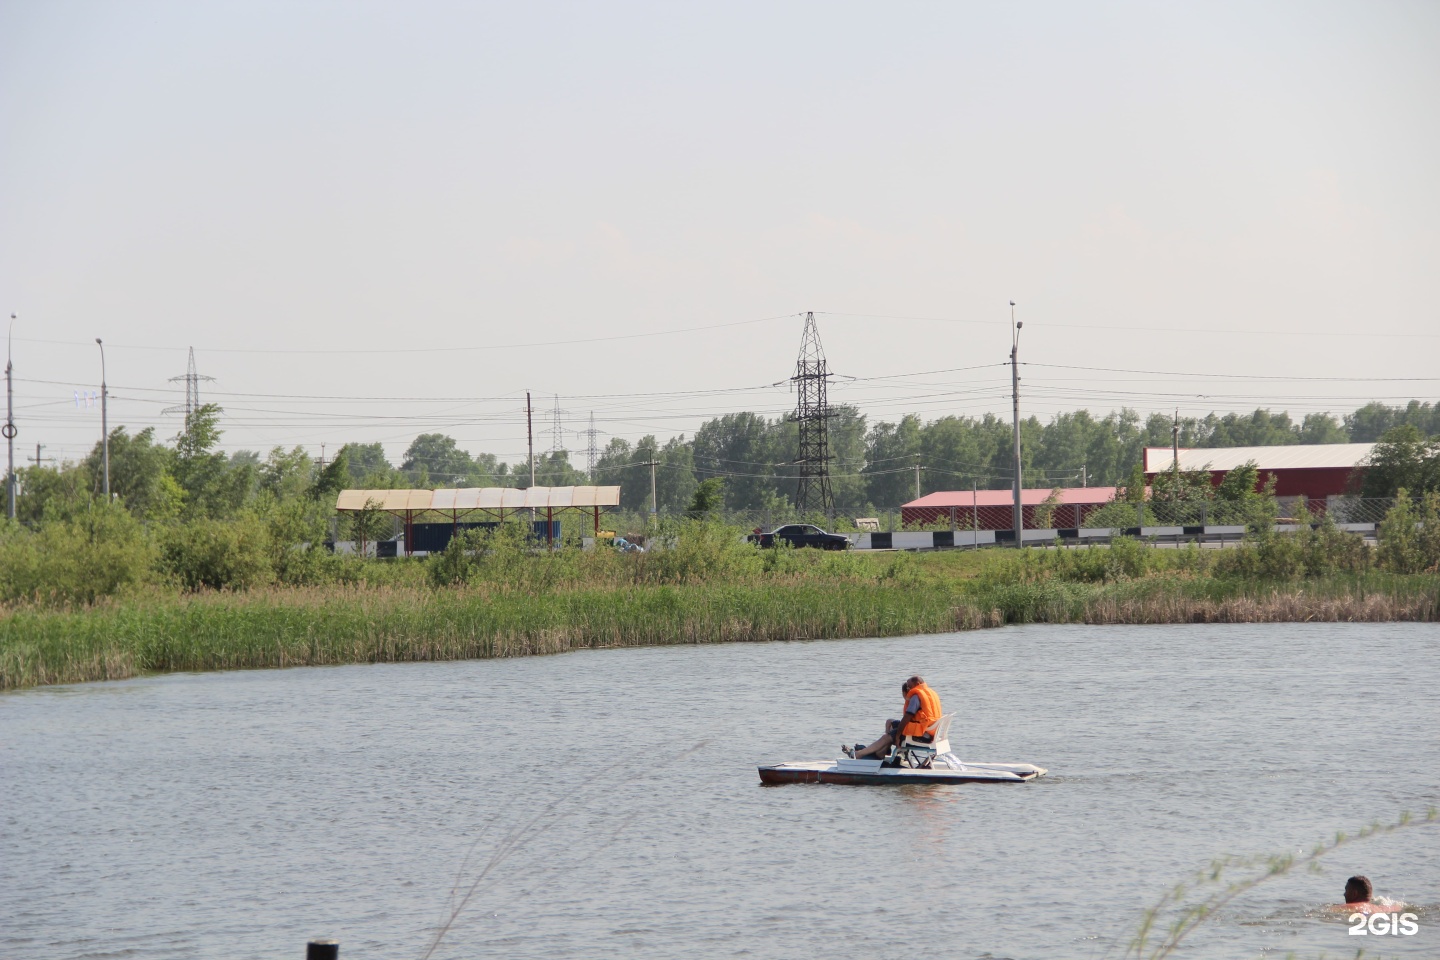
343	204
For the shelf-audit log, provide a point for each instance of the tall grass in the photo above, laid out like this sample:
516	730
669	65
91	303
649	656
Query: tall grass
291	626
494	595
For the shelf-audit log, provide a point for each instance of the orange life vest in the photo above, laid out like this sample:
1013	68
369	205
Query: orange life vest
928	713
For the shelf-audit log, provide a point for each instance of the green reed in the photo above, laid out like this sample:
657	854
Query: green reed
611	601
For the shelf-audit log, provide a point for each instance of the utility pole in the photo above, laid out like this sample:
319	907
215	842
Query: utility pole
530	437
1015	394
917	469
104	419
37	458
10	430
1175	456
654	500
974	515
1084	475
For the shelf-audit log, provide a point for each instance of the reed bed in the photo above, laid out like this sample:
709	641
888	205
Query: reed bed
333	624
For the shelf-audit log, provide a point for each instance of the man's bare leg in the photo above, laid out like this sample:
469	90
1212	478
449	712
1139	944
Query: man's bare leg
881	746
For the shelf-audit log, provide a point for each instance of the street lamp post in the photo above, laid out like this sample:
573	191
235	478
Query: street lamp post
104	420
10	430
1015	394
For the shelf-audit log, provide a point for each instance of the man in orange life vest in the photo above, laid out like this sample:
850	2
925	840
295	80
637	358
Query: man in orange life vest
922	708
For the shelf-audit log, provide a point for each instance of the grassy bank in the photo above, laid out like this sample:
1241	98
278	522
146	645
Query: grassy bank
854	597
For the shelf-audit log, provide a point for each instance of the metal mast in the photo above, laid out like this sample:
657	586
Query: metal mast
10	430
812	416
557	430
104	418
592	453
530	441
192	380
1015	395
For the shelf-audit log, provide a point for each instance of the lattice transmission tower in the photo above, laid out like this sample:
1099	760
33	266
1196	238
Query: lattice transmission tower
557	428
812	416
192	380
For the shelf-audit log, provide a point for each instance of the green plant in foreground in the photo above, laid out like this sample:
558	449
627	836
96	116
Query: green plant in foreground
1193	914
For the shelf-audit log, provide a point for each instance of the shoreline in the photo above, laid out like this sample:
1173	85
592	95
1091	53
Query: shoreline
313	626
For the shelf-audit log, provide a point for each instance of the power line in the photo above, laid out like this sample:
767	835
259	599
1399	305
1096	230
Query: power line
446	349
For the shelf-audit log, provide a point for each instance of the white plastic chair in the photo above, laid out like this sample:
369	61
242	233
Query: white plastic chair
919	750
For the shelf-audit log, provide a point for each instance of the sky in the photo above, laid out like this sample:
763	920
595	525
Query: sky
372	220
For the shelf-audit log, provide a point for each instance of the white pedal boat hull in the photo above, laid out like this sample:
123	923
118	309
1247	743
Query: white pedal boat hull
871	773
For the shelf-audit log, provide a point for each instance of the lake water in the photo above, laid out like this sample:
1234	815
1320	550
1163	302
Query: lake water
237	815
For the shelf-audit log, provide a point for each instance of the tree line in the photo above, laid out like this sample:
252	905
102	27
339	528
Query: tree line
184	512
872	466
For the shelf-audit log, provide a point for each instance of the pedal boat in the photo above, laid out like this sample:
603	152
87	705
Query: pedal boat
915	761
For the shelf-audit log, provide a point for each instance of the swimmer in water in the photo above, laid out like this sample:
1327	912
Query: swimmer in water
1360	898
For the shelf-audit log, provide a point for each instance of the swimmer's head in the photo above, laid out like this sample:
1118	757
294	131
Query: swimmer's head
1358	890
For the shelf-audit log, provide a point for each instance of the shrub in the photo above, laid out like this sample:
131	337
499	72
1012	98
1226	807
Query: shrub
94	553
1410	535
218	554
456	564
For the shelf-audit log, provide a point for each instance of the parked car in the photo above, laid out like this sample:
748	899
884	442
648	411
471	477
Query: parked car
801	535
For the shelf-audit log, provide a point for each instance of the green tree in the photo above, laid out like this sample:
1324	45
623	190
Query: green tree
434	459
218	554
53	492
369	469
1374	420
212	487
675	481
1402	459
1322	428
332	479
139	470
287	475
707	500
369	524
740	447
1261	428
75	556
1409	536
890	447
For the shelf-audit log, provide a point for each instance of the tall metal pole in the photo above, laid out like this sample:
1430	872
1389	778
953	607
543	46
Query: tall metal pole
530	437
1175	456
974	515
10	421
530	448
104	420
1015	394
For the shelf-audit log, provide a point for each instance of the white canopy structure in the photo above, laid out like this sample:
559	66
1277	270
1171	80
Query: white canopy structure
494	502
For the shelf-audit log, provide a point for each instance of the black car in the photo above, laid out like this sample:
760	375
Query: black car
802	535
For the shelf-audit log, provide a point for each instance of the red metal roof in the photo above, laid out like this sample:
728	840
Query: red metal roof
945	499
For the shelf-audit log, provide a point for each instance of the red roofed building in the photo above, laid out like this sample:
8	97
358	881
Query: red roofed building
995	509
1316	471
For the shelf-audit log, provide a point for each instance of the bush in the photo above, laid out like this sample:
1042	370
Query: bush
1410	535
1120	515
94	553
456	564
1317	552
218	554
